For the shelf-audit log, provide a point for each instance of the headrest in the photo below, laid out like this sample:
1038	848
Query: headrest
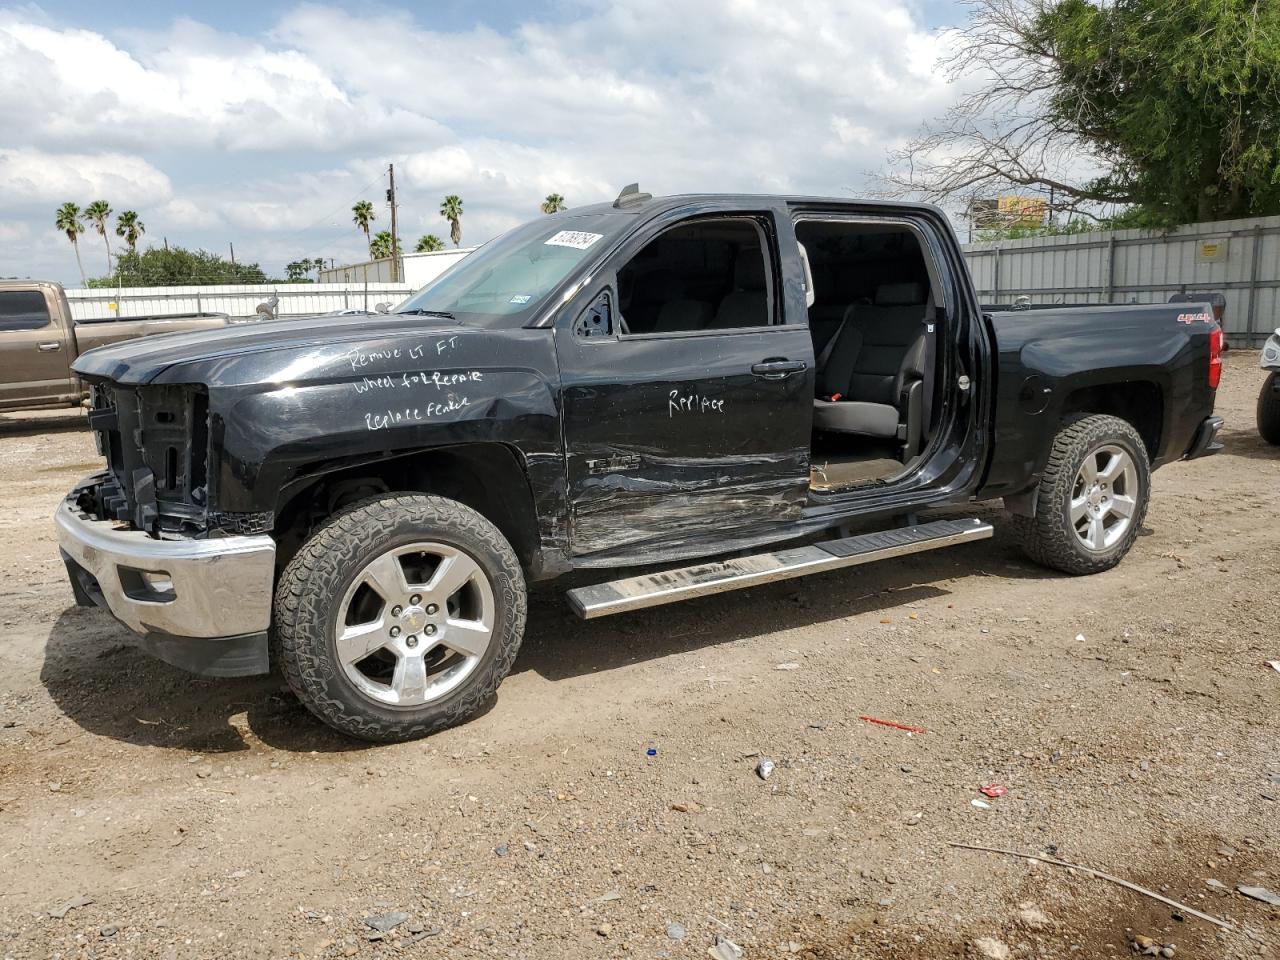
900	294
748	270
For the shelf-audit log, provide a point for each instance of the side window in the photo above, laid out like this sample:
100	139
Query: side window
23	310
711	274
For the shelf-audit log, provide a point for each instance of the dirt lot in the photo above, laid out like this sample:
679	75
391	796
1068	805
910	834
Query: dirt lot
1131	716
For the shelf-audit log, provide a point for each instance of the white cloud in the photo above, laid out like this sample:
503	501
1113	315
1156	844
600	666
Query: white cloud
187	86
684	95
36	178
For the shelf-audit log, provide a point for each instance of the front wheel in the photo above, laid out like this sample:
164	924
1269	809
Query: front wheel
400	616
1269	410
1092	497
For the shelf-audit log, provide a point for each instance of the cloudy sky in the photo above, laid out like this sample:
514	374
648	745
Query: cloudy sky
261	123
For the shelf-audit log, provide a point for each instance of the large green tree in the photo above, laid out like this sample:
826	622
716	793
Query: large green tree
429	243
451	210
67	219
553	204
177	266
1166	109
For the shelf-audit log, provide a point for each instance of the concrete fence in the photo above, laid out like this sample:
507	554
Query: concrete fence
1238	258
296	299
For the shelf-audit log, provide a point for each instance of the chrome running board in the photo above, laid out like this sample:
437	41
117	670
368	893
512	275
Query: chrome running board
655	589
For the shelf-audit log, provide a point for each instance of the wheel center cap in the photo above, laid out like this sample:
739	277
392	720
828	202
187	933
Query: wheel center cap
414	619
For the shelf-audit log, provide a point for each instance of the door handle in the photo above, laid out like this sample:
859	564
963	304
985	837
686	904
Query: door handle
777	368
49	346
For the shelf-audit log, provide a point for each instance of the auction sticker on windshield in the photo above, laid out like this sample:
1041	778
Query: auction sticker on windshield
577	239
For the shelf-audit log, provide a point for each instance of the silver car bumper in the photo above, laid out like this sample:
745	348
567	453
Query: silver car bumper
178	594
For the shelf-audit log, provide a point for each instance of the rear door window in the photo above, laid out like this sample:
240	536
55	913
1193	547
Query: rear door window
23	310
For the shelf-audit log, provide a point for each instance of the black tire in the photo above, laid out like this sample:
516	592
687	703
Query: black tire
1269	410
310	595
1049	538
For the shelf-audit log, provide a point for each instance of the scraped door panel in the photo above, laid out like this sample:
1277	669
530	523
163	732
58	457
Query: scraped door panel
674	445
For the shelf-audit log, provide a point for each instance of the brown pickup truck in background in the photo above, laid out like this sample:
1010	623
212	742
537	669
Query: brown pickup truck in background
39	341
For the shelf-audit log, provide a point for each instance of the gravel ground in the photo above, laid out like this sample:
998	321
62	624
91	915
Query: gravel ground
1131	716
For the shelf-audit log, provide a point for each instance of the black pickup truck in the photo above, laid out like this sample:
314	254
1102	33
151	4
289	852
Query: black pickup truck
717	387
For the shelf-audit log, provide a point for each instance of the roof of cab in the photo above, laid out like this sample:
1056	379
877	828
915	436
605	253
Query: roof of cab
27	284
643	203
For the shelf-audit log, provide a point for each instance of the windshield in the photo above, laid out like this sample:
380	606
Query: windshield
504	282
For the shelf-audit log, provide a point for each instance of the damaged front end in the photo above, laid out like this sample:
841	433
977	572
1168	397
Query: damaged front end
141	540
156	442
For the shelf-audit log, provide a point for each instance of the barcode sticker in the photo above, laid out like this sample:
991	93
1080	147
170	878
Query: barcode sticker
577	239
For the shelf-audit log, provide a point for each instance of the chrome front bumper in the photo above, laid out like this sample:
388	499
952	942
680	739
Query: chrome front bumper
175	593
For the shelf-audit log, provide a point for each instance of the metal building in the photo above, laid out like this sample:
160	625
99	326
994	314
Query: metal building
416	269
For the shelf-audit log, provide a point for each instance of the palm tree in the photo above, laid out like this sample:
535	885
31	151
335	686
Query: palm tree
429	243
363	215
131	228
451	210
554	203
97	214
380	246
68	221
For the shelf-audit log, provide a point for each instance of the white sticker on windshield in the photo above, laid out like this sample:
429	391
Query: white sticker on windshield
577	239
521	298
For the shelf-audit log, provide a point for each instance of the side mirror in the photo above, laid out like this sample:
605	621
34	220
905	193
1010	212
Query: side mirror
382	308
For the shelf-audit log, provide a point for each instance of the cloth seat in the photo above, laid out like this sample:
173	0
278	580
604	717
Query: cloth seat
876	367
856	416
747	305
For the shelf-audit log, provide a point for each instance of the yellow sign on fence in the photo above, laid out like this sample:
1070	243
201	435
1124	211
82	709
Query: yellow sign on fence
1212	251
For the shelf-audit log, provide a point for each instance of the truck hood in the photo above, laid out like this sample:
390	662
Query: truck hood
141	361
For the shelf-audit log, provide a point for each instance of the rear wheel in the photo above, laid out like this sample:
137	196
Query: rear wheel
400	617
1269	410
1092	497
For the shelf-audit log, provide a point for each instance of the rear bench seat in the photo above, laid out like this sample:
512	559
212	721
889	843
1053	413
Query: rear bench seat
875	366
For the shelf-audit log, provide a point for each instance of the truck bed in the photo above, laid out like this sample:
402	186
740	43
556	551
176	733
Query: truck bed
101	331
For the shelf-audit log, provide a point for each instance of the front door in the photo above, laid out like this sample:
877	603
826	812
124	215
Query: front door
34	361
687	399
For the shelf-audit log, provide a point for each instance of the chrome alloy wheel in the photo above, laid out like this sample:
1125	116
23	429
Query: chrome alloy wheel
414	624
1105	497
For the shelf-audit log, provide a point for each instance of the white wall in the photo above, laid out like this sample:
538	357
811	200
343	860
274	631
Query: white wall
296	299
419	269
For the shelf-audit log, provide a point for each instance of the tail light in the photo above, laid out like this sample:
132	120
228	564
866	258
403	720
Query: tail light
1215	357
